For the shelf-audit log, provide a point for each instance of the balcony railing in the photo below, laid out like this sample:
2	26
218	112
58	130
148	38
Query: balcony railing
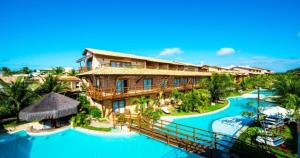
83	69
114	93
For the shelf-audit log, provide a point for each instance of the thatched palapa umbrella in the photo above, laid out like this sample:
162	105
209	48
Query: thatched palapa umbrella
52	106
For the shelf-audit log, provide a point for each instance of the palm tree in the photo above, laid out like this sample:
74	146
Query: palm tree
292	101
220	85
195	100
287	84
17	94
72	72
52	84
141	104
6	71
58	70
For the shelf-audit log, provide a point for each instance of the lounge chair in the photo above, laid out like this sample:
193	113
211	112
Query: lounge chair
272	141
165	110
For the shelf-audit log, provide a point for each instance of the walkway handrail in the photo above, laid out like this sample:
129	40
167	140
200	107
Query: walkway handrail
210	141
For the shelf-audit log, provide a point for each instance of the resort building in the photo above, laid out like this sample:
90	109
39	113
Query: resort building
72	83
113	78
251	71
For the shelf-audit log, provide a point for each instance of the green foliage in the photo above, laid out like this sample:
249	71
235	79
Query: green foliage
95	112
84	103
73	72
288	87
6	71
152	113
86	112
52	84
219	86
176	95
144	107
195	101
247	114
26	70
16	95
252	82
80	119
141	104
98	128
58	70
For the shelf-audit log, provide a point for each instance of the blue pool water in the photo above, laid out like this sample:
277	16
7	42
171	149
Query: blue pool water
237	106
76	144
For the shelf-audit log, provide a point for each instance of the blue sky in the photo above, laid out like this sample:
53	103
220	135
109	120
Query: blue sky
42	34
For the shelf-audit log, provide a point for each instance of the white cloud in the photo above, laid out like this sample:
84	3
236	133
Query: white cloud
170	51
225	51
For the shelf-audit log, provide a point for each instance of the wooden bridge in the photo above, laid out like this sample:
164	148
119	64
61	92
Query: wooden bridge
195	140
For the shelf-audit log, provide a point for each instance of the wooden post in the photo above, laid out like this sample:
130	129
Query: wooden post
139	120
130	122
215	140
176	130
114	124
194	133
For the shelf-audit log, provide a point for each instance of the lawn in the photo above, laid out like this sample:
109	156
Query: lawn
211	108
289	133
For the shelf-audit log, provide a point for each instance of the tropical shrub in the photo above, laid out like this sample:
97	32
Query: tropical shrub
80	119
16	95
95	112
219	86
288	87
195	101
51	84
176	95
141	104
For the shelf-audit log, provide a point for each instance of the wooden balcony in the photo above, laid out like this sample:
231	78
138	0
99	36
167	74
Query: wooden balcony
83	69
112	93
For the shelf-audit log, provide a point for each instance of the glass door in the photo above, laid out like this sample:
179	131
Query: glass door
121	86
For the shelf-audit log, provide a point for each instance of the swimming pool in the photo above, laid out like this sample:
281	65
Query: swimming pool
77	144
73	143
237	106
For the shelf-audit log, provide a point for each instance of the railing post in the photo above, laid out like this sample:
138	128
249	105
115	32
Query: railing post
139	119
114	124
215	140
194	133
176	130
160	123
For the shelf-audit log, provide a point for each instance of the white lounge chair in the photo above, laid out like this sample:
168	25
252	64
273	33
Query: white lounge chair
165	110
272	141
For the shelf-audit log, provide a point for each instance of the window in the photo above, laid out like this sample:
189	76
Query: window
176	82
118	106
184	81
147	84
120	64
89	64
164	83
121	86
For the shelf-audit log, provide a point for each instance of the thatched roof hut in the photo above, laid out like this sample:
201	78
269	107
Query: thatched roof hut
52	106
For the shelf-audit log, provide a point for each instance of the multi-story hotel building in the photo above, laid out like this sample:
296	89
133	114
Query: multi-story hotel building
113	78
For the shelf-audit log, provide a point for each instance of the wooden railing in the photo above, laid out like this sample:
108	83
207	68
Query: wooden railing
114	93
83	69
202	142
